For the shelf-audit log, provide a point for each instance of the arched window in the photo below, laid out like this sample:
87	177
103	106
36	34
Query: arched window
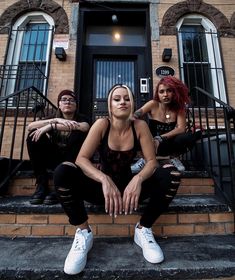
200	59
28	54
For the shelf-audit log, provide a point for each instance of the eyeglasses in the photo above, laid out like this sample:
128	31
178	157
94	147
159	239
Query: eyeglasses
68	100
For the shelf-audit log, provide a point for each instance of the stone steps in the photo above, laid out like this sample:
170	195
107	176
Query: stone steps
194	211
186	257
187	215
196	236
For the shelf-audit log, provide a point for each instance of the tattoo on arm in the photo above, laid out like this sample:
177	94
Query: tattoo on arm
138	114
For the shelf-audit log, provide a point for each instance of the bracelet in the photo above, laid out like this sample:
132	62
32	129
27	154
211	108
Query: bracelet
158	138
55	126
137	114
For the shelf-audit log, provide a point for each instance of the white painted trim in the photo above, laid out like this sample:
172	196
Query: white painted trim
212	44
15	46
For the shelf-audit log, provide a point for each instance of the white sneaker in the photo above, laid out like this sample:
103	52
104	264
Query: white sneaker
77	256
178	164
151	250
137	167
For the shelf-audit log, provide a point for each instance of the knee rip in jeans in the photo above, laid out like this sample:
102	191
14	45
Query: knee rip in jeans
173	190
64	193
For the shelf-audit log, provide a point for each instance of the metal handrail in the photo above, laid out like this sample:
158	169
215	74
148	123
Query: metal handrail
216	148
26	105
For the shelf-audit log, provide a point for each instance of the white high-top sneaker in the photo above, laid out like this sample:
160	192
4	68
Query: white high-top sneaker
77	256
137	167
151	250
178	164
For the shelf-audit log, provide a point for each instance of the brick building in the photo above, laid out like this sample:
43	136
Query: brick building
107	42
88	46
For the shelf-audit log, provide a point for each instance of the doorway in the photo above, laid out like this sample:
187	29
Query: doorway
112	53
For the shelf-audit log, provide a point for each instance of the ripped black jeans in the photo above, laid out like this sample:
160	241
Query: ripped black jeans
73	188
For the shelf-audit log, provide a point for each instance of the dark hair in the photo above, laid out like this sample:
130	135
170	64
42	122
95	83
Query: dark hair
61	94
66	92
180	98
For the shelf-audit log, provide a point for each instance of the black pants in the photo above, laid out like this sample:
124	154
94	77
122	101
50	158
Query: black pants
73	188
46	154
179	144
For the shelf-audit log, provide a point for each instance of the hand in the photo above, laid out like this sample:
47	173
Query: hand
112	196
131	195
36	134
156	144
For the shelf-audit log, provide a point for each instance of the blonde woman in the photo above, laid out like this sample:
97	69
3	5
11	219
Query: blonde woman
117	138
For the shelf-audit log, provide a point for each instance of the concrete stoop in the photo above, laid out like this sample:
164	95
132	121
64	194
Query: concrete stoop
186	257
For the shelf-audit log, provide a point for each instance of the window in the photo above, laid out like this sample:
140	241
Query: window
200	60
28	53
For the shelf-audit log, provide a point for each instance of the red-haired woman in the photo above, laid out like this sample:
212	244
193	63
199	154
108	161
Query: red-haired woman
167	121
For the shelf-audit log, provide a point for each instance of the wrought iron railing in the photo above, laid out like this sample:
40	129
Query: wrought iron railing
16	77
215	150
26	106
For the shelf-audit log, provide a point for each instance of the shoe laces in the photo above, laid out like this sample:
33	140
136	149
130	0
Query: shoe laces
141	163
79	242
148	235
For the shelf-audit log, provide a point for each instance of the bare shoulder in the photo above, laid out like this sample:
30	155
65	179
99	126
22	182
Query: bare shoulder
150	105
102	122
140	126
100	125
153	103
142	129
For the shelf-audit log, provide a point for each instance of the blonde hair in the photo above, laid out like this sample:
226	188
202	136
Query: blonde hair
130	94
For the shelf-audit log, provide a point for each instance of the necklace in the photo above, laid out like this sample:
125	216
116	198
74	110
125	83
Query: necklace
168	116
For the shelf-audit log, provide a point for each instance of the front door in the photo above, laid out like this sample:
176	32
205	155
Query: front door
108	72
112	53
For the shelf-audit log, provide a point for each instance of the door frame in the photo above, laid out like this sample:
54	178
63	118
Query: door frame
86	54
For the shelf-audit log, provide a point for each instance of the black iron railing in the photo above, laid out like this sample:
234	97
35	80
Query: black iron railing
215	150
16	77
25	106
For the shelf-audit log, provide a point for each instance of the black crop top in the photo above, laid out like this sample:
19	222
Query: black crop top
114	163
159	128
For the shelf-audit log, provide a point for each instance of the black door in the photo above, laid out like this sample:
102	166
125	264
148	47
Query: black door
102	71
112	52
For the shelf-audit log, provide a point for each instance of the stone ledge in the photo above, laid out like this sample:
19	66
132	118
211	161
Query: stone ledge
201	257
180	204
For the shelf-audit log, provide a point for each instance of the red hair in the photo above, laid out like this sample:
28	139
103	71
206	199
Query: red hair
180	98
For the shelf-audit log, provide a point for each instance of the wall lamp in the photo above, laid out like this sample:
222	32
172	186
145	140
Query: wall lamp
60	53
166	55
114	19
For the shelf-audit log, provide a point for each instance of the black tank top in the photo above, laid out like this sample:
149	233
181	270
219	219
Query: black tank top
117	164
159	128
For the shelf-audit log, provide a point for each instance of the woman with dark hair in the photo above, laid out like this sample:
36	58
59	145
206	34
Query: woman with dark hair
53	140
167	121
117	139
